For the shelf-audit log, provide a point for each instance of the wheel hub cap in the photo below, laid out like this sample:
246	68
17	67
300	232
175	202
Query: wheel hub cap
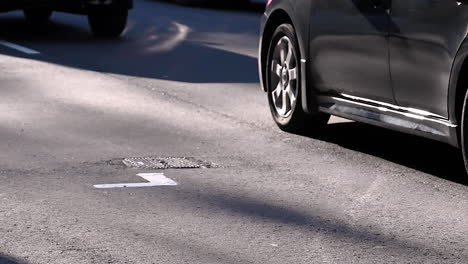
283	80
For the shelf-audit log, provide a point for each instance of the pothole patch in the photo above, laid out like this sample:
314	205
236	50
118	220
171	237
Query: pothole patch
162	163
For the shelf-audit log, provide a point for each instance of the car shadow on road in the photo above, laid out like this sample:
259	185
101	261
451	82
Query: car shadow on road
17	28
9	260
425	155
155	48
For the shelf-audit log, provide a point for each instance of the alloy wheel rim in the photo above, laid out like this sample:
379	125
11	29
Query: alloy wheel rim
284	77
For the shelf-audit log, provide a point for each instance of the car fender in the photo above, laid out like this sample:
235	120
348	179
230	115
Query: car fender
460	58
299	19
453	101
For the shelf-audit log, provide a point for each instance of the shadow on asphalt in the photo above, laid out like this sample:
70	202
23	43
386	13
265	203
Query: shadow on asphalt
425	155
157	46
9	260
313	221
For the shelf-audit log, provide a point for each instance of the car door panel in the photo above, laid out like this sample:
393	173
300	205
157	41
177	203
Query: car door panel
349	48
425	36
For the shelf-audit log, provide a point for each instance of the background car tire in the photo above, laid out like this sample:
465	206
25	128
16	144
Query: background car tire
108	23
283	70
37	15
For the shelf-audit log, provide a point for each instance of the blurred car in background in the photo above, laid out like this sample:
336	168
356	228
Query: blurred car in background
200	2
107	18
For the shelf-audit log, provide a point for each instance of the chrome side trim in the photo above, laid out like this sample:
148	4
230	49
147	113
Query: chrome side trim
416	112
407	120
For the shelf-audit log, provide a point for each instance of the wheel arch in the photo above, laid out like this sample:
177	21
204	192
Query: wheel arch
300	23
458	87
275	19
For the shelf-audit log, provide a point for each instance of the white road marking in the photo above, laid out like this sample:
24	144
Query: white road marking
19	48
155	179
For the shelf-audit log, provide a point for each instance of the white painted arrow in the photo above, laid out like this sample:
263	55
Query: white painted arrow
155	179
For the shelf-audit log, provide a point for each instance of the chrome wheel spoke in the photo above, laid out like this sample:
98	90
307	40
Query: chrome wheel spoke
282	54
277	91
288	59
292	96
293	74
276	68
283	109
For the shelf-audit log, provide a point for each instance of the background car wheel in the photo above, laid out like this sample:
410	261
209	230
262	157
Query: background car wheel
108	23
37	15
284	84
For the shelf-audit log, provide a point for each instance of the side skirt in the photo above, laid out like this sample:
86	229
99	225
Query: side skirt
407	120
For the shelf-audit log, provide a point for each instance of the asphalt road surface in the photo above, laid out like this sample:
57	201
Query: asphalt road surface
182	82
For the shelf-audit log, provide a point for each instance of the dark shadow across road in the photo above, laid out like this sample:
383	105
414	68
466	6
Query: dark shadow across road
425	155
9	260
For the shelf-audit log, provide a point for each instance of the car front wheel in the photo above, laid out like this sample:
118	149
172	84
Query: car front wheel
284	75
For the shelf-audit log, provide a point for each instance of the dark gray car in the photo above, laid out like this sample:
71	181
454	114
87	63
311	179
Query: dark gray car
107	18
399	64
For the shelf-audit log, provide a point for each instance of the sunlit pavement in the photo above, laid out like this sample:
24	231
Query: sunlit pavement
182	82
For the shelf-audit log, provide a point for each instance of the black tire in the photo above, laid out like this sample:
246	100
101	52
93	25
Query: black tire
37	15
464	131
294	119
108	23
